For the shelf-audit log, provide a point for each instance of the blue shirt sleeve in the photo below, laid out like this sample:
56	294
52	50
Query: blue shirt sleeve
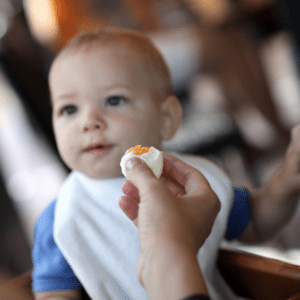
240	214
50	269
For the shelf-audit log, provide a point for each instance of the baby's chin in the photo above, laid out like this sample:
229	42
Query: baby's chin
99	174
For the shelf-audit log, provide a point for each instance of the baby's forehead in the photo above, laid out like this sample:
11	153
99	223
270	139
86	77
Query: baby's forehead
133	56
142	60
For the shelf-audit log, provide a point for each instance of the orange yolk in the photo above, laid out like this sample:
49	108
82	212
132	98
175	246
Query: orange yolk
138	150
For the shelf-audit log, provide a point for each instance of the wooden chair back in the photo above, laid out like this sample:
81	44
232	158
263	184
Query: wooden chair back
255	277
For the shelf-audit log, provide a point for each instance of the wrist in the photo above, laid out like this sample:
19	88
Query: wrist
175	273
280	186
275	191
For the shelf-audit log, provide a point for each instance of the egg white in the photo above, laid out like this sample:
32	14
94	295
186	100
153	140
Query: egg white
153	158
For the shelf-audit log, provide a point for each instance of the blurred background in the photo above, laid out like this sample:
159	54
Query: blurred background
234	66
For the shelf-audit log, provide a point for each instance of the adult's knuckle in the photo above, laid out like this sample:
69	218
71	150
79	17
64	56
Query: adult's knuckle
151	187
154	184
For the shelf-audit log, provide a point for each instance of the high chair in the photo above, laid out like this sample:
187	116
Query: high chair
256	277
249	276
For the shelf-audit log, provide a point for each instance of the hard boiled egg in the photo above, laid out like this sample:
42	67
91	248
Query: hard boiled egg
151	156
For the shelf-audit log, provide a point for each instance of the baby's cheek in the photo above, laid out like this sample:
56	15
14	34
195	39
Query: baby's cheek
126	130
67	150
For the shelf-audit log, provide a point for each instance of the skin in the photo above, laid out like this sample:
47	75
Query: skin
154	210
102	99
103	104
274	204
174	216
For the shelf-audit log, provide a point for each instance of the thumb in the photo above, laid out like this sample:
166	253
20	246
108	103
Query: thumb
139	173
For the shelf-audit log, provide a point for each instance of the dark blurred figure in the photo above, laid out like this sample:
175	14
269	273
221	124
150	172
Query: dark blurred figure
15	253
288	12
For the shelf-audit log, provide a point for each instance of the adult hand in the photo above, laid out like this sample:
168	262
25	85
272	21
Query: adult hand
289	173
175	212
275	203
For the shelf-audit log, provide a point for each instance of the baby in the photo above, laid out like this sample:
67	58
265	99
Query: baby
111	90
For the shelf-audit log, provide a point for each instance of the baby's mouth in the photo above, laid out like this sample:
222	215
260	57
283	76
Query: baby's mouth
97	149
94	148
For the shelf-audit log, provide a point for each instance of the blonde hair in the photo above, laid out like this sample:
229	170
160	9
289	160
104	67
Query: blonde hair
151	59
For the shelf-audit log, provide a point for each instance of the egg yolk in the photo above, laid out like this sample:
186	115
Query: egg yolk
138	150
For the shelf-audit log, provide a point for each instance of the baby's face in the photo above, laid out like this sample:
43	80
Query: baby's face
102	106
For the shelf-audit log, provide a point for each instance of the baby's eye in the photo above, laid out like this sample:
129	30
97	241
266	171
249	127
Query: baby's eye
115	100
69	109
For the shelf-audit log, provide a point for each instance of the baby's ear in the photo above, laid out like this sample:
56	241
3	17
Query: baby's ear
172	113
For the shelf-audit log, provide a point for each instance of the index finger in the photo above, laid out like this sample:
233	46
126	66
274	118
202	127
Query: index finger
187	176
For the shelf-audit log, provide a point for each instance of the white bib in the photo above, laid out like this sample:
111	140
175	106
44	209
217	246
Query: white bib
102	245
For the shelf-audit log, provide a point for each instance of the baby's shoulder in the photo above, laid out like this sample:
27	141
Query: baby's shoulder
46	218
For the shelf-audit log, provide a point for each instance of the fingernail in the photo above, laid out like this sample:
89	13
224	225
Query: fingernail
133	162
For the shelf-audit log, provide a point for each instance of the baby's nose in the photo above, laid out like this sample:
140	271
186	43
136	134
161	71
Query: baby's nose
92	121
90	127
